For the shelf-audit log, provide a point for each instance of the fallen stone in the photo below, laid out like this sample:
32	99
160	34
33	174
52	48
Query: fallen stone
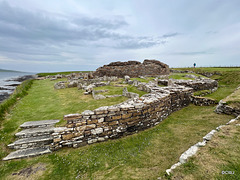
190	152
201	144
99	96
168	171
208	137
73	84
231	121
126	78
60	85
219	127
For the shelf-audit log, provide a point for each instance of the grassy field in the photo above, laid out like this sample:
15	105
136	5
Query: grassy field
214	158
183	76
146	80
145	155
126	158
64	73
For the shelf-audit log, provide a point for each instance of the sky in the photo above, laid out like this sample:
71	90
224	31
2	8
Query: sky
72	35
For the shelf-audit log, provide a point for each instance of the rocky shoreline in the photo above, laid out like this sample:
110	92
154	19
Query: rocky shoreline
7	90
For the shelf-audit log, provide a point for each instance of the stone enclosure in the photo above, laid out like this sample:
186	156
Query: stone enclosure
110	122
131	116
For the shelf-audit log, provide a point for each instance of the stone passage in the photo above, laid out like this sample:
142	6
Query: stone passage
133	69
35	139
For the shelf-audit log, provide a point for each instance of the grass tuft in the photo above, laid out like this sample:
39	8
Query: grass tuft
20	92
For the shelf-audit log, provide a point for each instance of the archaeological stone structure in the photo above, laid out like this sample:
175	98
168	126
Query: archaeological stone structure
133	69
111	122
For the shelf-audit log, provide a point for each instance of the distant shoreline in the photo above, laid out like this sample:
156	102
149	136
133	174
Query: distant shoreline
10	83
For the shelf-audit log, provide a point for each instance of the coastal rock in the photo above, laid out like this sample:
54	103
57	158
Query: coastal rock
4	96
23	78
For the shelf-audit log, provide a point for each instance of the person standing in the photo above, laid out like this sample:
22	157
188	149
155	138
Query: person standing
194	65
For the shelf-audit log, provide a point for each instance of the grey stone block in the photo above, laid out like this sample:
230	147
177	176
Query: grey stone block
30	152
43	123
35	132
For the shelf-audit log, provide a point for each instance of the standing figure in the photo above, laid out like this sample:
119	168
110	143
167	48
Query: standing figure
194	65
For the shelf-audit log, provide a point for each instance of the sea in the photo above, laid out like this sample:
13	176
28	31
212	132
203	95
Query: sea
8	82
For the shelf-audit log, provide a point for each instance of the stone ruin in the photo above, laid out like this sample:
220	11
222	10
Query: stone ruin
133	69
110	122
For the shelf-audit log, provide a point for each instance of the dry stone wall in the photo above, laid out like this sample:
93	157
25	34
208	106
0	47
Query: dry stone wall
197	84
133	69
110	122
202	101
223	107
135	114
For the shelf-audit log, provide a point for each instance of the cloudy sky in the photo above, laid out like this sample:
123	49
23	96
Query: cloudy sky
44	36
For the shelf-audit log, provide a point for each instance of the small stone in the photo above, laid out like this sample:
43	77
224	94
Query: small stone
67	137
126	78
168	171
190	152
231	121
87	113
97	131
101	139
201	144
208	137
92	141
100	120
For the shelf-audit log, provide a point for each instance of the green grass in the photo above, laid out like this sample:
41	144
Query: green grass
211	69
20	92
202	92
125	158
63	73
222	153
145	155
233	99
145	80
228	81
183	76
118	90
44	102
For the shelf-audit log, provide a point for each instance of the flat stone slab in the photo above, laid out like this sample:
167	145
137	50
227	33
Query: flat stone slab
35	124
26	133
39	140
30	152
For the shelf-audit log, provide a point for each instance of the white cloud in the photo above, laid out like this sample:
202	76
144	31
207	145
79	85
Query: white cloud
66	35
